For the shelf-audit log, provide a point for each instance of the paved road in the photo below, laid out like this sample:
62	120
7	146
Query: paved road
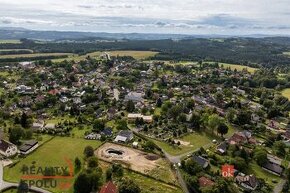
6	185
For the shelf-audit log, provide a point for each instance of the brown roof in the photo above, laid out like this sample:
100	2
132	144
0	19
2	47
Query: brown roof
109	188
205	182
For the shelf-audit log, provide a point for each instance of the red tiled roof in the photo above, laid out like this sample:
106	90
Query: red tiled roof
109	188
205	182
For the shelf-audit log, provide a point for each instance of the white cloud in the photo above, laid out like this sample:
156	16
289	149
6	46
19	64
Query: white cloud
170	16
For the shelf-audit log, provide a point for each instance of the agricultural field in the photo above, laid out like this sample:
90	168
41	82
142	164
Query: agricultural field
11	50
10	42
51	154
135	54
286	93
238	67
27	56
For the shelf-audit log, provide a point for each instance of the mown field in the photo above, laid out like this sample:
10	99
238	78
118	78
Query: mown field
135	54
15	50
51	154
286	93
10	42
238	67
27	56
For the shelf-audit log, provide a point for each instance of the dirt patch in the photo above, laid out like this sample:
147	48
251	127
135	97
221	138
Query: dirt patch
129	157
152	157
184	143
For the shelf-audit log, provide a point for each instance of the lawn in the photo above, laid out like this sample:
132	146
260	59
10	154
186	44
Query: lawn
10	42
286	93
195	140
51	154
238	67
135	54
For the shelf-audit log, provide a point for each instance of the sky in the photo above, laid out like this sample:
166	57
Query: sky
225	17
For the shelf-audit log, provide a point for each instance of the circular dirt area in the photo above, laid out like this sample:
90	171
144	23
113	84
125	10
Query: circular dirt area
152	157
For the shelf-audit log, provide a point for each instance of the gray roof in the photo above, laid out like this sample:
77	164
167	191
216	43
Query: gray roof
200	160
273	167
125	133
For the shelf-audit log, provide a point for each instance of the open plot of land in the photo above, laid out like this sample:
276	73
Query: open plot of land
133	158
238	67
134	54
193	141
286	93
147	184
33	55
10	41
51	154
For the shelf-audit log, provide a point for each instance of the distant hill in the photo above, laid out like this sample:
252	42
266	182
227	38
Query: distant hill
19	33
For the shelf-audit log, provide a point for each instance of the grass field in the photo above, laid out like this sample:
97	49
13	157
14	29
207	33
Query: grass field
196	141
33	55
135	54
147	185
286	53
13	50
238	67
286	93
51	154
10	42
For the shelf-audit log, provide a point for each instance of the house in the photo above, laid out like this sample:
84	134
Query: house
222	148
248	182
116	94
135	144
26	65
124	136
205	182
28	147
109	188
37	125
242	137
7	149
273	168
200	161
108	132
133	116
49	126
237	138
134	96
